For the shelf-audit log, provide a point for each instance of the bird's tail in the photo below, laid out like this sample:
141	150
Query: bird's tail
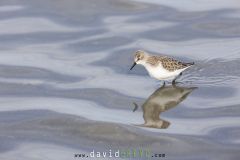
189	64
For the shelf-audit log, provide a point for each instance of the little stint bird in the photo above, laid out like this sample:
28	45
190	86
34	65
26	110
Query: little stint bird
160	67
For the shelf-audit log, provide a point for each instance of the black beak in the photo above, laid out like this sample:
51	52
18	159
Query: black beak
133	65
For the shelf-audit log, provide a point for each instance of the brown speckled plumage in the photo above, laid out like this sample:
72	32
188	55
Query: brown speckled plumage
168	63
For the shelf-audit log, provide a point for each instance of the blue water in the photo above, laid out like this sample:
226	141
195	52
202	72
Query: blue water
66	87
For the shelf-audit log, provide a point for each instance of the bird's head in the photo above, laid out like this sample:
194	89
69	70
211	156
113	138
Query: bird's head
139	58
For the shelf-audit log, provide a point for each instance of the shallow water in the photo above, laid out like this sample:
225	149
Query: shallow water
66	87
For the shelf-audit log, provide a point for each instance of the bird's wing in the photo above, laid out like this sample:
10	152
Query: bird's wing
172	64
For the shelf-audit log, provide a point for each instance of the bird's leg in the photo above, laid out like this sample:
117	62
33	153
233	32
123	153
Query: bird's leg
174	81
163	83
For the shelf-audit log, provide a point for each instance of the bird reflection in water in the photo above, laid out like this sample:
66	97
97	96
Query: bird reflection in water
163	99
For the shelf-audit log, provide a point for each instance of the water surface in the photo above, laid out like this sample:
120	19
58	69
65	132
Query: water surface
66	88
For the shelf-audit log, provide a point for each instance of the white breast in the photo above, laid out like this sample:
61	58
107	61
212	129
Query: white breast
162	74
